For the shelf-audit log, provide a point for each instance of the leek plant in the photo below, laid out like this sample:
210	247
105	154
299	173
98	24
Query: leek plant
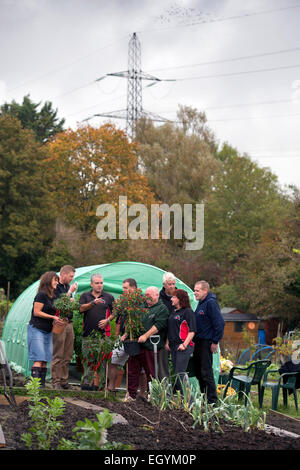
205	414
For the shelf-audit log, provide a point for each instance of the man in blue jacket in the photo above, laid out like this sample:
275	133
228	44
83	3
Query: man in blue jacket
210	328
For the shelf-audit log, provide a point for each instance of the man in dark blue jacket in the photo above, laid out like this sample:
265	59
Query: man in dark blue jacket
210	328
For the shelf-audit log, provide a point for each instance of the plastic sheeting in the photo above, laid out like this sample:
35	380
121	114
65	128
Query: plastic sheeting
15	327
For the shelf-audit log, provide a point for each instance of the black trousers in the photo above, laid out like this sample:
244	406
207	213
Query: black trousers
180	360
203	360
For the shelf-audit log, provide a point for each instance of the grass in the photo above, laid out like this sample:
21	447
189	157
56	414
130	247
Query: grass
21	391
290	410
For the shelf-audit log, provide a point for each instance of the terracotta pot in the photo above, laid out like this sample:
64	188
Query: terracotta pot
58	329
119	378
79	365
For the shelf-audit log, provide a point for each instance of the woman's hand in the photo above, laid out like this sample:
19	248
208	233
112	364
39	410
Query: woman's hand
58	320
181	347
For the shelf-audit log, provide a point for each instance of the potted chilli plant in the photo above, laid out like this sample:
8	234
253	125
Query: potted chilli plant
98	354
132	307
65	308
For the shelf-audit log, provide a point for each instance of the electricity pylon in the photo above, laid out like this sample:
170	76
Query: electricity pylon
134	77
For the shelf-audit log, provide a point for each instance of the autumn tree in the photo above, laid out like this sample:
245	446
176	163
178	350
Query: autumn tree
92	166
44	121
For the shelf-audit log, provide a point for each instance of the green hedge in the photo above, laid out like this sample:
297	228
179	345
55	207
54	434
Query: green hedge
3	308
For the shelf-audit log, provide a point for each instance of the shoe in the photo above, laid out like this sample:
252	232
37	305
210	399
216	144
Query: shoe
56	386
66	386
141	398
128	399
86	387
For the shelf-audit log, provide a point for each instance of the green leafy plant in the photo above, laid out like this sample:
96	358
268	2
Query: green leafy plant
133	307
78	328
204	414
92	435
43	412
65	306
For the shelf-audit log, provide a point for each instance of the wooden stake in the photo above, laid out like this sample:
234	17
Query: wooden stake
2	438
127	378
7	297
106	375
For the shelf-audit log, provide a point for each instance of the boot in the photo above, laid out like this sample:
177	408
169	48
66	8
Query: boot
36	373
43	373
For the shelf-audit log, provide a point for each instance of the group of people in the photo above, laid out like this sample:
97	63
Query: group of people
179	331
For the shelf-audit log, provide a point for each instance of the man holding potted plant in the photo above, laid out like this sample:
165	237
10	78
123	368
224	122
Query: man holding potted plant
119	356
96	307
165	294
154	322
63	344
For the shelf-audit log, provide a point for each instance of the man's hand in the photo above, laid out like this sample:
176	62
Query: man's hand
214	348
102	323
73	288
142	339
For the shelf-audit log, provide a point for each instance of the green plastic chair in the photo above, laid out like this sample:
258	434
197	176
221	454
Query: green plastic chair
243	382
286	381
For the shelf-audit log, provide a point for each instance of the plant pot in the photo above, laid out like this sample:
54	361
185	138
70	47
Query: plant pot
119	378
79	366
58	329
132	347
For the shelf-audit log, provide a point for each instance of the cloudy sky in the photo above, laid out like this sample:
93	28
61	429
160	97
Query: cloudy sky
237	61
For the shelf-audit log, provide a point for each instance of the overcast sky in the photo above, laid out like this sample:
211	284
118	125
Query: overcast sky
237	61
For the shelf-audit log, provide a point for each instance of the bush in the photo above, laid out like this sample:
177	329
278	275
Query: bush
3	308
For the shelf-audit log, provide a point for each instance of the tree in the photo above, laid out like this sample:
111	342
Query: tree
266	275
26	221
245	201
178	159
44	122
92	166
265	281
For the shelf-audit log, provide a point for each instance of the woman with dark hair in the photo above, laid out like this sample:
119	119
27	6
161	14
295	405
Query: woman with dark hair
181	330
39	333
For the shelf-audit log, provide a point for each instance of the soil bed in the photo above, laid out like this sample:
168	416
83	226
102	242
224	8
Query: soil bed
150	430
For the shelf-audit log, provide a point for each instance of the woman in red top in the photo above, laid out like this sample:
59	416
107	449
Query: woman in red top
181	330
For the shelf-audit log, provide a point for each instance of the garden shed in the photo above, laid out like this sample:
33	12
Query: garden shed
235	323
15	327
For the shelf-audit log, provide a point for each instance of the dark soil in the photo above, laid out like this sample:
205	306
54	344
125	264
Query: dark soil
150	430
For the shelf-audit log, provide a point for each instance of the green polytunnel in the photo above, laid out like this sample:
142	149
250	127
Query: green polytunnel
15	327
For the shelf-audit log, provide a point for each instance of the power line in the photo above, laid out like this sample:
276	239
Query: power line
254	103
245	72
59	69
219	20
254	117
234	59
155	80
